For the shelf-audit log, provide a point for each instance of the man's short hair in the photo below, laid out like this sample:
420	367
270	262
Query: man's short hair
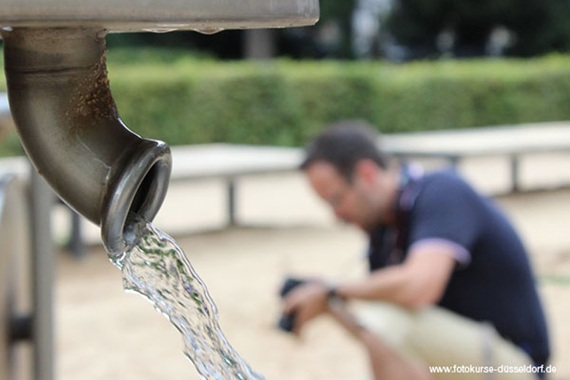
343	145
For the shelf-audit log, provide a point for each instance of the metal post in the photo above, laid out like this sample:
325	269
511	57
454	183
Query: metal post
232	222
42	250
11	248
76	244
453	162
515	167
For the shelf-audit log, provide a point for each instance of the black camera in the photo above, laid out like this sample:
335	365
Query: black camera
287	321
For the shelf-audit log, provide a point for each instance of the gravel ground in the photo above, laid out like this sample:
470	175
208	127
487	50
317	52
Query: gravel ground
104	333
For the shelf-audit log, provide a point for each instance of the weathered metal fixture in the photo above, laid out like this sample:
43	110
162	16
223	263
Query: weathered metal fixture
71	130
62	104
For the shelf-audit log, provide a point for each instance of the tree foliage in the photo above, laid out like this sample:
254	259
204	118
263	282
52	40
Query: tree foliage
532	28
536	26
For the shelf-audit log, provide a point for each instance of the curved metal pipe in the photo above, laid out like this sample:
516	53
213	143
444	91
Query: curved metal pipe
70	128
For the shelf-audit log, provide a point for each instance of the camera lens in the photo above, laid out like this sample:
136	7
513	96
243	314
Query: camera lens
287	322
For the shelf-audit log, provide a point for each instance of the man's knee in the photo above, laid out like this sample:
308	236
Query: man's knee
436	336
392	324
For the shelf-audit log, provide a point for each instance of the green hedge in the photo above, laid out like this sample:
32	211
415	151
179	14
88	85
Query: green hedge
184	100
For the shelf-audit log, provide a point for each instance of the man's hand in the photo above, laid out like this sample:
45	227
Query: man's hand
307	301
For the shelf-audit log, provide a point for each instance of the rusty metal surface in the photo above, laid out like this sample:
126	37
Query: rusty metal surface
71	131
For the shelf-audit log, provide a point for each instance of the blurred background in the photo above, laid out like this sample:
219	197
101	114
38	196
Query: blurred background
395	30
405	66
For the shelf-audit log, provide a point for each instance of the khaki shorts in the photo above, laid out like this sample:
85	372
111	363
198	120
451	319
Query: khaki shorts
455	346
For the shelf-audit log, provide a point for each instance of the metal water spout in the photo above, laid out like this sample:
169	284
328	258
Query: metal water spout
62	104
70	128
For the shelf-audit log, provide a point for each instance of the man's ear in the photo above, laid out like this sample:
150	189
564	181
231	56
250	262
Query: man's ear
367	170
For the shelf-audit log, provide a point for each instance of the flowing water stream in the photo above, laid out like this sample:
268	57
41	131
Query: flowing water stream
157	268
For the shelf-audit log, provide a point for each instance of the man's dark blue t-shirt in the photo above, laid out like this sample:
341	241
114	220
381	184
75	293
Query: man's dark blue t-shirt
493	281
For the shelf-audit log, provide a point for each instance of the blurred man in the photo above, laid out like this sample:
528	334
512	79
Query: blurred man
450	287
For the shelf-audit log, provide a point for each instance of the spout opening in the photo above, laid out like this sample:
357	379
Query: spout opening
137	189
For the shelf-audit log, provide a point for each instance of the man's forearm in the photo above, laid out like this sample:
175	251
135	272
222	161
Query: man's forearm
418	282
388	285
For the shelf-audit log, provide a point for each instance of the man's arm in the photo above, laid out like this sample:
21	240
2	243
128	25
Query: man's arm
419	281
